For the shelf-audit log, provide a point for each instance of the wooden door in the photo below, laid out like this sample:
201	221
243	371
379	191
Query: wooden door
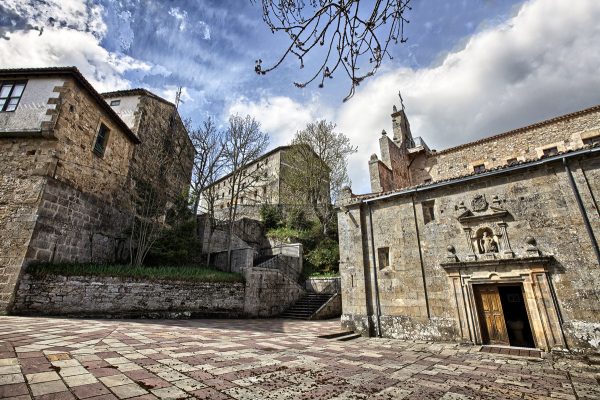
491	316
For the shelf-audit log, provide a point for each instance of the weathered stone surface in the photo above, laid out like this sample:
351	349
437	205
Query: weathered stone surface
60	200
269	292
323	285
266	293
434	242
106	296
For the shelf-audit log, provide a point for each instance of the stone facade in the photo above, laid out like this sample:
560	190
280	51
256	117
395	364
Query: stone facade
126	297
265	293
264	184
422	262
60	198
163	137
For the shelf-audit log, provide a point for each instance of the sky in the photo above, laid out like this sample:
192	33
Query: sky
470	68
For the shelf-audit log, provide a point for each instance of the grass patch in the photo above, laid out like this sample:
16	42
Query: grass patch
324	275
194	274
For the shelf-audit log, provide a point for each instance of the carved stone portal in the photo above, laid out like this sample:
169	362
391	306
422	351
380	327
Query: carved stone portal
485	228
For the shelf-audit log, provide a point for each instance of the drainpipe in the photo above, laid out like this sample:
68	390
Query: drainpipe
375	281
584	215
421	256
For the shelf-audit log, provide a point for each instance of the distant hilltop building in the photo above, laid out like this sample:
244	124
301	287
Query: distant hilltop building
264	184
492	242
71	160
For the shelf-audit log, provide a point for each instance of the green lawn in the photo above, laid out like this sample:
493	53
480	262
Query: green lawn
195	274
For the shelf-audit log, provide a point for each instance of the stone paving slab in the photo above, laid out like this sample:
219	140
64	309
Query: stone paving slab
52	358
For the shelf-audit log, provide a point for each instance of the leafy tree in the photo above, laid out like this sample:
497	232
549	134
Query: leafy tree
317	170
271	216
348	36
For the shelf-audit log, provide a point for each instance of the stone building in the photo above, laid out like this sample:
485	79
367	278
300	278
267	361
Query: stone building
490	242
67	160
263	183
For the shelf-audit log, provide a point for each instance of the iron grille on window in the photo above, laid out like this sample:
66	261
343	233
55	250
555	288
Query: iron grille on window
10	95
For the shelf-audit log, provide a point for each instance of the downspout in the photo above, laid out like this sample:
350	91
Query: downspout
375	281
421	256
584	215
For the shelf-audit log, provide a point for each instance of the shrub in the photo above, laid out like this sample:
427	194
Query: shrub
271	216
296	219
324	257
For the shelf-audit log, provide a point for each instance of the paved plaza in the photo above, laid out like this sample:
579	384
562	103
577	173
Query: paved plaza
52	358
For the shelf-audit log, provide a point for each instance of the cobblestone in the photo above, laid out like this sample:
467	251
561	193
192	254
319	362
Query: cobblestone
50	358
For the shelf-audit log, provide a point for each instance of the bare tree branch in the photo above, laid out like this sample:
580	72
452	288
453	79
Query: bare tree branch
348	32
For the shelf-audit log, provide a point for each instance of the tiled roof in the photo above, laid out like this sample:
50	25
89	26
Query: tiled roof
522	129
135	92
74	72
501	168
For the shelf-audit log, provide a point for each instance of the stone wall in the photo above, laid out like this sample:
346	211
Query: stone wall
323	285
165	157
266	293
522	144
23	164
76	129
73	226
269	292
123	297
331	309
419	300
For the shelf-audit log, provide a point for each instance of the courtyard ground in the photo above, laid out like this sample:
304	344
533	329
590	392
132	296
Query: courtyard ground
52	358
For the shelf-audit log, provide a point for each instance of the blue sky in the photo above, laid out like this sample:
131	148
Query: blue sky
470	68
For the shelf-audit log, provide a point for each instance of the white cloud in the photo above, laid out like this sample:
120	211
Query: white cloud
540	63
281	116
72	31
66	47
182	17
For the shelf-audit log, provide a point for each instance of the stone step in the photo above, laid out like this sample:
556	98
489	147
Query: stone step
348	337
335	335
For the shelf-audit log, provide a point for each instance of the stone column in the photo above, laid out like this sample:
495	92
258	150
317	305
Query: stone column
471	256
506	250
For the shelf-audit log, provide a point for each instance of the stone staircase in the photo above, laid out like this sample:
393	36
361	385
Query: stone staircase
306	306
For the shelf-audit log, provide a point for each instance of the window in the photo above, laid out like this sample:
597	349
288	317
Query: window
427	180
428	214
479	168
552	151
10	95
101	139
115	103
592	141
383	255
511	161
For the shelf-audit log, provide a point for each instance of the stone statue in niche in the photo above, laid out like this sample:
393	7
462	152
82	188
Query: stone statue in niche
487	243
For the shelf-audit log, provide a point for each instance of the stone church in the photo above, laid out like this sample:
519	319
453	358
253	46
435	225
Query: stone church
493	242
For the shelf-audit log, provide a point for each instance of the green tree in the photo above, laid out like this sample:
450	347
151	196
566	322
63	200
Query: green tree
316	170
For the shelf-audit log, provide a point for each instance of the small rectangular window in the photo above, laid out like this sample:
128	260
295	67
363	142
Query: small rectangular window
383	255
101	139
427	180
10	95
115	103
511	161
479	168
552	151
592	141
428	214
